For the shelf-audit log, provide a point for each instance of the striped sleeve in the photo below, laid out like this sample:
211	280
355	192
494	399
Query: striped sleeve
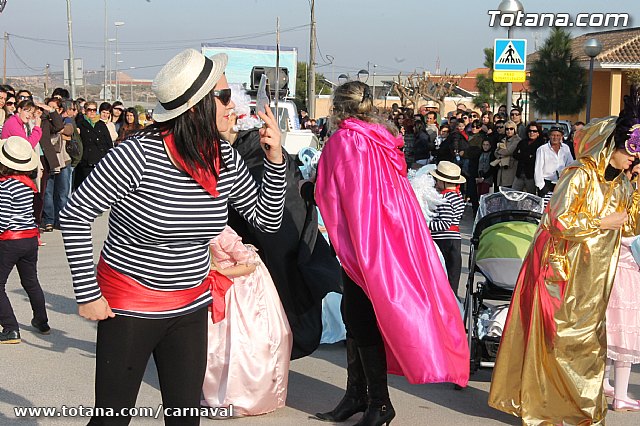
117	174
6	201
443	219
16	206
262	206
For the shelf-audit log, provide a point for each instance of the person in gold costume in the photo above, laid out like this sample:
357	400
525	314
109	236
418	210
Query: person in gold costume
551	360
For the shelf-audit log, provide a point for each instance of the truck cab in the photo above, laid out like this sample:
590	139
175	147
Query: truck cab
293	137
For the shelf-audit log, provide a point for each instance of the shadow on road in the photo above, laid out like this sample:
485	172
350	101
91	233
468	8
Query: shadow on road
15	400
471	401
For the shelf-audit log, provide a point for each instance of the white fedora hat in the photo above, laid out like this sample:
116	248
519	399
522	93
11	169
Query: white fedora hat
448	172
184	81
16	153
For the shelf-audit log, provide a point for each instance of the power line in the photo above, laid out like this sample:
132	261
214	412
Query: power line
163	45
13	50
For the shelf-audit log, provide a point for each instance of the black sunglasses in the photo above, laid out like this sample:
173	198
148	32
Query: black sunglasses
224	95
91	109
533	131
10	103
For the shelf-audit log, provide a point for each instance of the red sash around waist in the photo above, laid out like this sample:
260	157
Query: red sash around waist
125	293
455	228
19	235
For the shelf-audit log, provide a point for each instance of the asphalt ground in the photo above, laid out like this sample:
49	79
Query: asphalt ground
57	370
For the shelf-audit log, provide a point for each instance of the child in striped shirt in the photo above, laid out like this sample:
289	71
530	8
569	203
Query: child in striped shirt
19	235
445	226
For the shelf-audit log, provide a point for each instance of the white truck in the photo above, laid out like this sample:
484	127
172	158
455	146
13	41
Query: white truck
247	63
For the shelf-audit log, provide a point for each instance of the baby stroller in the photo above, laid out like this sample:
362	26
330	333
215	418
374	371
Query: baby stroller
502	232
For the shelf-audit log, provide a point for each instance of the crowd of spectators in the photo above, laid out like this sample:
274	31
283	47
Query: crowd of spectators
71	136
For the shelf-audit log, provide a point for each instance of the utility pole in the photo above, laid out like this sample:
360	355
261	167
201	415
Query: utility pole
311	69
72	74
106	41
46	81
4	67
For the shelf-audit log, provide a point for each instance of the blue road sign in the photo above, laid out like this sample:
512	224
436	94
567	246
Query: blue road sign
510	54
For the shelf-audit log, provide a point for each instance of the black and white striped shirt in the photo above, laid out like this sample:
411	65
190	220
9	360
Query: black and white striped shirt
16	206
447	215
161	219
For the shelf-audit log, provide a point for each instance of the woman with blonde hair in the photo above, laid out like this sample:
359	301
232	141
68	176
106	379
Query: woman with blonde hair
399	310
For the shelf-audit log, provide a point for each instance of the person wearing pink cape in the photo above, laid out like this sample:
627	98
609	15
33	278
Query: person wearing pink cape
250	347
399	310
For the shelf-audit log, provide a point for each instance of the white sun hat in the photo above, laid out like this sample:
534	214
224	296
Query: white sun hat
16	153
448	172
184	81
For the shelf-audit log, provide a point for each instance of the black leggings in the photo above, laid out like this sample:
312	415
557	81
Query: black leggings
358	315
124	345
23	254
451	250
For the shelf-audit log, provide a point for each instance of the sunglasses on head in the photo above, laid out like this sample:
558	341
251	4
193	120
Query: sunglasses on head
224	95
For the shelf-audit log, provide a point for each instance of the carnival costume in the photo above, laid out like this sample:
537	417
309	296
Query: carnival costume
249	349
551	360
380	235
299	260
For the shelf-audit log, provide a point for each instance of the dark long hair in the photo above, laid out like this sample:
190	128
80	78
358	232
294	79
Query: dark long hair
196	134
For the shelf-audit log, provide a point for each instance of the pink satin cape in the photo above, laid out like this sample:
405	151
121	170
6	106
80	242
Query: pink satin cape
375	223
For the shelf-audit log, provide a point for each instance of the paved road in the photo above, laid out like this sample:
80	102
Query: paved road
57	370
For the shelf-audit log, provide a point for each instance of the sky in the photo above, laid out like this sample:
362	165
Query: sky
395	35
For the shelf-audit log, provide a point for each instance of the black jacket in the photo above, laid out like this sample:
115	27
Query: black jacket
525	153
298	258
96	141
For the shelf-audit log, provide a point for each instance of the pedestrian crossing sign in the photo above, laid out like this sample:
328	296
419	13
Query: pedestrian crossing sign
510	54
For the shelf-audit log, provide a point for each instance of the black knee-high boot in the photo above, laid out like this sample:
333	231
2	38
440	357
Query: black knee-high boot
379	409
355	397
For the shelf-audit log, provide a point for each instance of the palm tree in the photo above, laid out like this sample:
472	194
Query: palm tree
557	80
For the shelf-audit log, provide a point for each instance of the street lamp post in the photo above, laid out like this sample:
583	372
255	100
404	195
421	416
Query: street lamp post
118	24
109	71
509	7
106	51
72	75
592	48
373	84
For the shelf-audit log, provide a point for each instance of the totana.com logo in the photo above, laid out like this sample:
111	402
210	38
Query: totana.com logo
522	19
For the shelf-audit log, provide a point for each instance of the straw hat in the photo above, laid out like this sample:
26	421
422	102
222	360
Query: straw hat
448	172
16	153
184	81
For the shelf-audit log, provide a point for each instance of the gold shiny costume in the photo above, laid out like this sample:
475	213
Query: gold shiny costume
550	364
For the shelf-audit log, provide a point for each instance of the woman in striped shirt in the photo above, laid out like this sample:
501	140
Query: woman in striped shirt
169	188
